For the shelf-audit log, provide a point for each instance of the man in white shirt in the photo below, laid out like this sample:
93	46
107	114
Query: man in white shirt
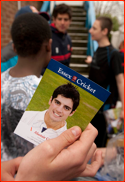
52	122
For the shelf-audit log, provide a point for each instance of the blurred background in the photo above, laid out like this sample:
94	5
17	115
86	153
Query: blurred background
84	14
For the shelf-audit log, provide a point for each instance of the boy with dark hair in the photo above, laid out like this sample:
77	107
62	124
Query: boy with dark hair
52	122
20	34
9	58
31	37
62	9
68	91
105	70
61	44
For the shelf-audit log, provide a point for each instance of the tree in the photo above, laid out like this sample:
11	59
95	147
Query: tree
114	19
112	9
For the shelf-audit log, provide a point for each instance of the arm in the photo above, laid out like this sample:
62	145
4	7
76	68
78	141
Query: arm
120	85
62	158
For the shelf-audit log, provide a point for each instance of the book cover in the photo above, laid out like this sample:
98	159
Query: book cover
63	99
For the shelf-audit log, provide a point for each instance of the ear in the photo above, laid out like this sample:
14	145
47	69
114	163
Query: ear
105	31
72	113
14	49
50	100
48	46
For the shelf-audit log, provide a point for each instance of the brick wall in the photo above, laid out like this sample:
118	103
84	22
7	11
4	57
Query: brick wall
8	11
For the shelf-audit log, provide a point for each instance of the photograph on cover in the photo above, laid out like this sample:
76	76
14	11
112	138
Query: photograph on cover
63	99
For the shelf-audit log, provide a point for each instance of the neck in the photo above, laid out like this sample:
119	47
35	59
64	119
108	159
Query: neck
26	67
52	124
103	42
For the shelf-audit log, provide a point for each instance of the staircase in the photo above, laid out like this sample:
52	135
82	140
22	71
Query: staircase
79	36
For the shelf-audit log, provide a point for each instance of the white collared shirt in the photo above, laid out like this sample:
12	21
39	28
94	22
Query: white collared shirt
35	120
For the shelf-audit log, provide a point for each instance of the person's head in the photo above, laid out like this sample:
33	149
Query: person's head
63	102
31	9
26	9
31	34
62	17
101	28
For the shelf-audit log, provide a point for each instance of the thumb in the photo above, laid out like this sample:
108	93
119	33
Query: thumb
65	139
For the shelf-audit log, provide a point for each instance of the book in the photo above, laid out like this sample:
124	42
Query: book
47	116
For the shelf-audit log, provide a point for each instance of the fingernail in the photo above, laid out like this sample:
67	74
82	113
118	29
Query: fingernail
75	131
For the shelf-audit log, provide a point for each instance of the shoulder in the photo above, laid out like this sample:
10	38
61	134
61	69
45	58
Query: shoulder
18	92
35	114
4	78
38	118
28	83
112	50
115	54
24	86
32	81
5	74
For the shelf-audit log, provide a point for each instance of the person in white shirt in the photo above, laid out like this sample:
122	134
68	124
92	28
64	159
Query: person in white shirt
32	43
51	123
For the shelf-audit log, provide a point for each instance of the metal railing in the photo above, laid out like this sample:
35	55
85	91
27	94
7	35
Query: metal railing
90	18
48	6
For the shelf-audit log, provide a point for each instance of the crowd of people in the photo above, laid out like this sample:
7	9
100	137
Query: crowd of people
34	43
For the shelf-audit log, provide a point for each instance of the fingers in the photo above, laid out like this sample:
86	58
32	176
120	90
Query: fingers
65	139
17	162
91	153
48	155
9	169
89	156
78	151
89	135
91	169
103	154
86	140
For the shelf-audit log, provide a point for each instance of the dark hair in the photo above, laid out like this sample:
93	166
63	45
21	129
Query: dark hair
62	9
105	23
28	32
68	91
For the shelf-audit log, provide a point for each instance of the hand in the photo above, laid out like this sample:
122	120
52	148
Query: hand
103	150
96	162
62	158
9	169
88	60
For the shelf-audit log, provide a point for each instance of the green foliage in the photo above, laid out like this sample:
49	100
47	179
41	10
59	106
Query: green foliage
114	20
